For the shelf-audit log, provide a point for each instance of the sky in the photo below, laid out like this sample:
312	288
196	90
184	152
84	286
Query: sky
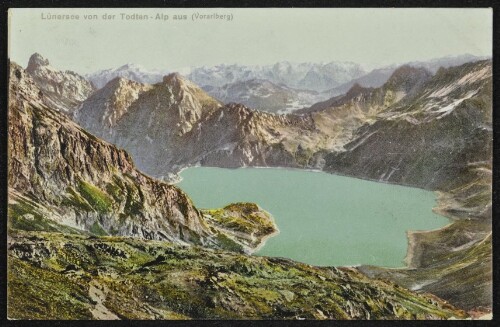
374	37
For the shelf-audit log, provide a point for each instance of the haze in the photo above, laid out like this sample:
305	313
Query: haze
373	37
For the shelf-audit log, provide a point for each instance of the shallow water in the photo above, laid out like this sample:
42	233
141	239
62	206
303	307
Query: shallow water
323	219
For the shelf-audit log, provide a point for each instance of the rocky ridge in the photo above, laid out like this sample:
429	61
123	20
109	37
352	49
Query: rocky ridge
62	91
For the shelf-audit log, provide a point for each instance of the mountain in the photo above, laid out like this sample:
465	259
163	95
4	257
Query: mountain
403	81
62	175
306	76
378	77
446	125
105	107
128	71
63	91
91	237
264	95
281	87
185	126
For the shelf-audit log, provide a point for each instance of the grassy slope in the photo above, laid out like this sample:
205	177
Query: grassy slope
51	275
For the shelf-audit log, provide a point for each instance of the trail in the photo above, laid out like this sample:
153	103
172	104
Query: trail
96	293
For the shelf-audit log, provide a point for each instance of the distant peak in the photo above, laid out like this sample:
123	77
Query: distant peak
406	77
129	66
355	90
117	81
36	60
407	70
173	78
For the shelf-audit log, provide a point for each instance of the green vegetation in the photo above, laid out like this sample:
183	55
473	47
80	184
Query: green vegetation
35	293
96	229
246	218
24	214
51	279
97	199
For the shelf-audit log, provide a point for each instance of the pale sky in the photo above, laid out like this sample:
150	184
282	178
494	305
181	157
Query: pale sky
253	37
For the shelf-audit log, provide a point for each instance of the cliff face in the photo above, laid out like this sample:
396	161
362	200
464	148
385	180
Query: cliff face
63	91
87	183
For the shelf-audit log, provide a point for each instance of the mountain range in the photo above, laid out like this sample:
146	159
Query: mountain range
423	128
281	87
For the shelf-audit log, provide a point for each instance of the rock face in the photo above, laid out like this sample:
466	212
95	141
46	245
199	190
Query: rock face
87	183
63	91
101	112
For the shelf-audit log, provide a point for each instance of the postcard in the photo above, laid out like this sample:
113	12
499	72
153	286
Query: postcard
246	163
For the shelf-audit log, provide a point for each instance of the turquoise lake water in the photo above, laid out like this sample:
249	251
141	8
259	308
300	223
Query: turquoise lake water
323	219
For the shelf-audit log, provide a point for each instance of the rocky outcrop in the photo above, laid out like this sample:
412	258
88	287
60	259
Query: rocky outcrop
63	91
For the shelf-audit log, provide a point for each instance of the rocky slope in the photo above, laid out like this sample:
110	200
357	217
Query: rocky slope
111	102
441	131
60	172
75	276
62	91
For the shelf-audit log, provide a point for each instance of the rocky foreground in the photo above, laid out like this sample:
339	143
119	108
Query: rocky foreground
79	276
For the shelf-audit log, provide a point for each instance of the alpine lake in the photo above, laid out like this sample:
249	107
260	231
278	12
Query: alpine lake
323	219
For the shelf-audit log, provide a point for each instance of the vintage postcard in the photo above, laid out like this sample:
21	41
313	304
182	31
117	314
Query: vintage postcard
319	164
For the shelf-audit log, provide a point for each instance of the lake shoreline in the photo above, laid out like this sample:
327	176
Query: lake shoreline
321	210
